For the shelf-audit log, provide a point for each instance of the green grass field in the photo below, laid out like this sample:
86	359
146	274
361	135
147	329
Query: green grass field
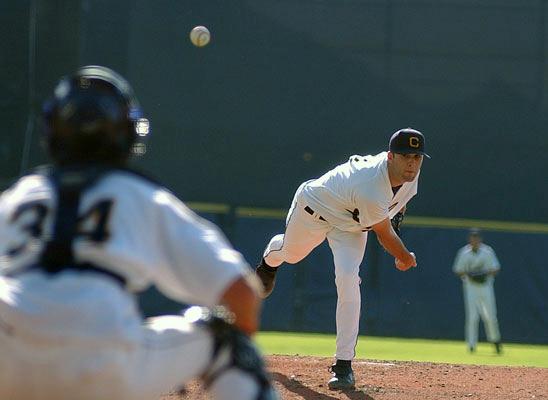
377	348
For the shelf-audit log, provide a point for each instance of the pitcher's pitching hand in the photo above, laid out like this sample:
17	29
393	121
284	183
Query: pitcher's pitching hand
404	267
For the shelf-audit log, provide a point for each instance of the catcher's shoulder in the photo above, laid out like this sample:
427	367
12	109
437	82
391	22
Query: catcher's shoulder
135	181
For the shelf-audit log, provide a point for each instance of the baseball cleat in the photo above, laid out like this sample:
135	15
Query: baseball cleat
267	275
343	377
498	347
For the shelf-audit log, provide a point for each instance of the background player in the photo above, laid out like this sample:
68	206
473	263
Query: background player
358	196
477	264
78	239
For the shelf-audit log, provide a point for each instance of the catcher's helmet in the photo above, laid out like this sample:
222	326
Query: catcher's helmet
93	116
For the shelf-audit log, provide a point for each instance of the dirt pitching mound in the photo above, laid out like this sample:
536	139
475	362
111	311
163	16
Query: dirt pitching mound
297	377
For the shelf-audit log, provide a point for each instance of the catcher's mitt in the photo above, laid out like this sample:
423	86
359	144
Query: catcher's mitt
396	222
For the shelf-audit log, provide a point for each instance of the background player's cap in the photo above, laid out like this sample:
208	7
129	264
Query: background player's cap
474	232
407	141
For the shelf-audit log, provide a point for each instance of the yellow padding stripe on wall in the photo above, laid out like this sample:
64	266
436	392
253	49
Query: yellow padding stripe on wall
410	220
457	223
251	212
214	208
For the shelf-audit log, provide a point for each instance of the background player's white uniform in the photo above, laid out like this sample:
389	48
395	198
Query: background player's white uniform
479	298
79	335
345	202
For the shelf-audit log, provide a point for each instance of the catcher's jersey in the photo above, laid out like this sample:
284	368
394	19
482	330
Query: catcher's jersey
469	262
147	236
357	194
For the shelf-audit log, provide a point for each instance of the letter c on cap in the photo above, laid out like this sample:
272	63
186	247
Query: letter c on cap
414	142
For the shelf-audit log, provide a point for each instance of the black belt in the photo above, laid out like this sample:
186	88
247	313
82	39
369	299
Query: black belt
311	212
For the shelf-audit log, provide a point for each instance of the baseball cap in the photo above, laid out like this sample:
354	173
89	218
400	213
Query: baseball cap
474	232
407	141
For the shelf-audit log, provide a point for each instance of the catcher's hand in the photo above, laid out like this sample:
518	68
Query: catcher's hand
396	222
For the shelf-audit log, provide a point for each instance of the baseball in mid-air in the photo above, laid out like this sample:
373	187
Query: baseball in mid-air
200	36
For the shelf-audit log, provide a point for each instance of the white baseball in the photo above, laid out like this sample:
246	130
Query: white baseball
200	36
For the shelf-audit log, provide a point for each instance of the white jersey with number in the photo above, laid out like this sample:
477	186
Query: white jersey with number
357	194
127	225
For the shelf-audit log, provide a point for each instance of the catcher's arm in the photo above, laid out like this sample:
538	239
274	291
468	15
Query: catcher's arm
242	299
393	244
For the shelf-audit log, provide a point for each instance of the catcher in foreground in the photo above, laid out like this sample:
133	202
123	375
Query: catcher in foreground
81	237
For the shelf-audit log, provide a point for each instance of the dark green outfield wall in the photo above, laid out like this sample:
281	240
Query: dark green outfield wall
424	302
288	89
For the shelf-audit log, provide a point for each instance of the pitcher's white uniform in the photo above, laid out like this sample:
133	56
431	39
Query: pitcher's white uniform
83	329
479	298
341	206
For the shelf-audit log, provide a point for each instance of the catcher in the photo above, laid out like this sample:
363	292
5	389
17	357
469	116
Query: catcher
81	237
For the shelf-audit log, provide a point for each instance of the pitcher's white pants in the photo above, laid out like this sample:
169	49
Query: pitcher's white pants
303	233
171	353
479	300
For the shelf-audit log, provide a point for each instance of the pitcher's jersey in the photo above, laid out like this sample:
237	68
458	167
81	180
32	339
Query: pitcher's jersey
127	225
357	194
469	262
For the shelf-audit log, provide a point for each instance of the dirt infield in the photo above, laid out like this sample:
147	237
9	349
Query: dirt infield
305	378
